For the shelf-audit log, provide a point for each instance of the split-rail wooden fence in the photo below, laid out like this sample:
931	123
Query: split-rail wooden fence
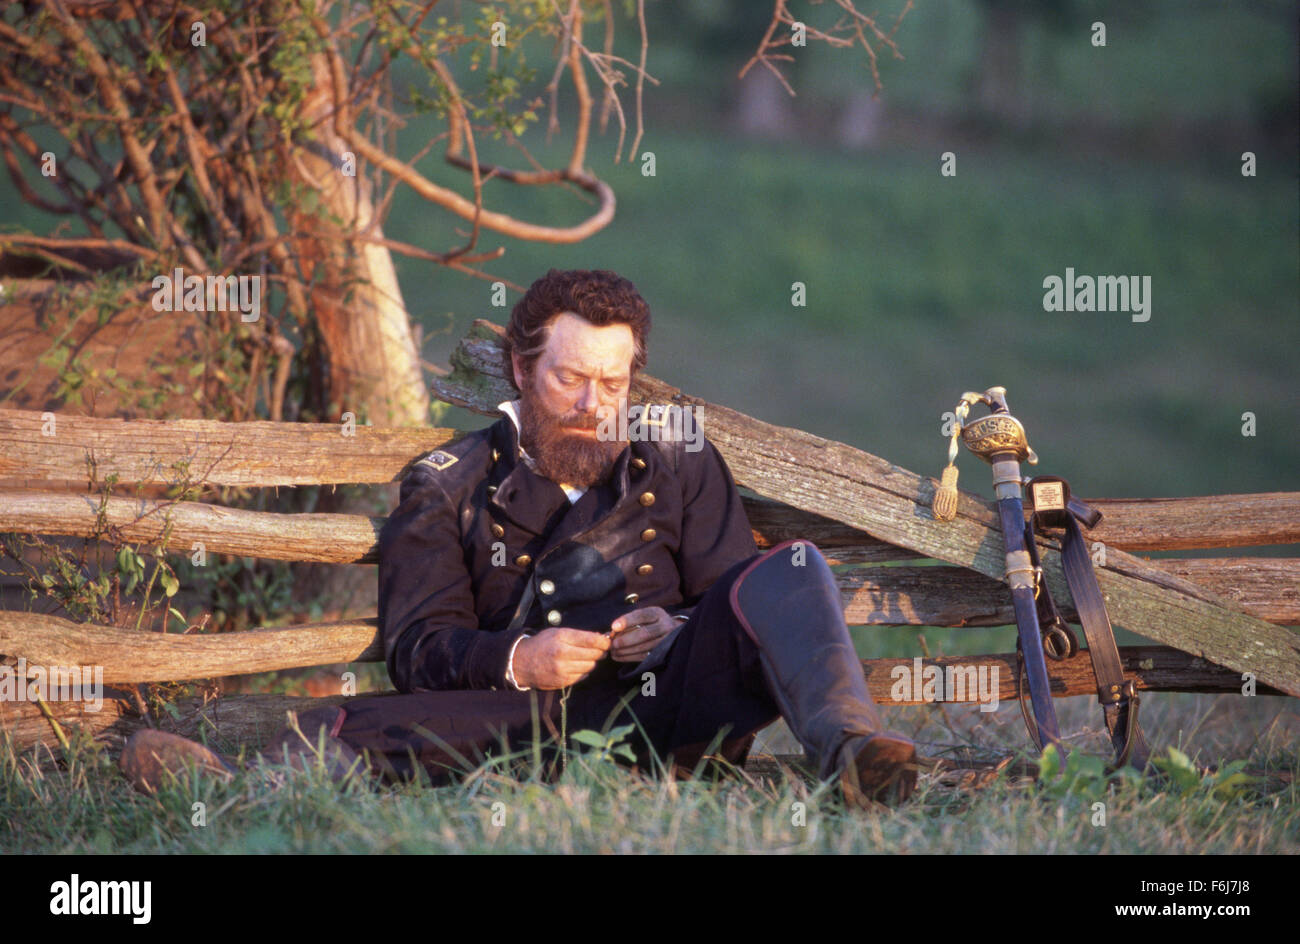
1214	619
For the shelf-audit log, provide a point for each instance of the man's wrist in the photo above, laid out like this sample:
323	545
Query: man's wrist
510	666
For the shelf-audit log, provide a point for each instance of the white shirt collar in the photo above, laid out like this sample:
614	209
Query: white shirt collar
511	409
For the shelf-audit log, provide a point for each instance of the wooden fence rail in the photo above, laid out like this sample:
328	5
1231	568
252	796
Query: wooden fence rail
1220	617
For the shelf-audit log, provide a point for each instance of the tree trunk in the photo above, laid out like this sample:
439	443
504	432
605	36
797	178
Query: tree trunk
356	303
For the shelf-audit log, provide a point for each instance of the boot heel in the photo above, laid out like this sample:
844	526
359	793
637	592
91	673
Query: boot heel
878	769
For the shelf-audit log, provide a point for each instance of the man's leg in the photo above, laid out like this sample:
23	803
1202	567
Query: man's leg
447	732
788	603
711	680
768	640
439	732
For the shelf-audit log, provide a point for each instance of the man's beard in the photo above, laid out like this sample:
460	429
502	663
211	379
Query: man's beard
561	455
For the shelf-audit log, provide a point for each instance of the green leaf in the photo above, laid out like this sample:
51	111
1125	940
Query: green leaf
588	737
169	583
617	734
1049	765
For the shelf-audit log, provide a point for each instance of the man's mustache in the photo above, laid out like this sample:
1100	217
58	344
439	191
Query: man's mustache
581	423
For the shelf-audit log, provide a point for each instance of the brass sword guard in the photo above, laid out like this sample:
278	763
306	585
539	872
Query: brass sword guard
998	432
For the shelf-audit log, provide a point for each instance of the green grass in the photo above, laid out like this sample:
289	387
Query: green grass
76	802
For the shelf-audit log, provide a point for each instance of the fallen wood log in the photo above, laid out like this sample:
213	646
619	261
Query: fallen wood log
893	505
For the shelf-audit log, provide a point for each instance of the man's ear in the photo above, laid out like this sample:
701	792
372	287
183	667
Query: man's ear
517	369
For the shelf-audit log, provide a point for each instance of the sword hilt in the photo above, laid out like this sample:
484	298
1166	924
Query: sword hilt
998	438
999	432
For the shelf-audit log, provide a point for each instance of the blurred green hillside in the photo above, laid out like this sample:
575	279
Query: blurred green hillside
1122	160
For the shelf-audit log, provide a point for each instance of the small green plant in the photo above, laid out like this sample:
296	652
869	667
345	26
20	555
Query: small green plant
606	747
1226	783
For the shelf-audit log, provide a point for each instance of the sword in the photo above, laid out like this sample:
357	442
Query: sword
999	439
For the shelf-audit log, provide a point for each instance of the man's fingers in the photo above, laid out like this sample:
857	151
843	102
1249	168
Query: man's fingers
582	639
647	614
642	635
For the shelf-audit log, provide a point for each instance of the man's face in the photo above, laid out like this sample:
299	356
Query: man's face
580	379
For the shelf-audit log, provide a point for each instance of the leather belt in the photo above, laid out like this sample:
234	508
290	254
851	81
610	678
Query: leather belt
1053	508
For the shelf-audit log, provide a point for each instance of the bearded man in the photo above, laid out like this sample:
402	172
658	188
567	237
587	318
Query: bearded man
544	556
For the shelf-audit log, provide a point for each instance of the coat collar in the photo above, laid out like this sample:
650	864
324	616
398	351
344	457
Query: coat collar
536	503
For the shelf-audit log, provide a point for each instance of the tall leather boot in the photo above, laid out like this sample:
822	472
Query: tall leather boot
789	604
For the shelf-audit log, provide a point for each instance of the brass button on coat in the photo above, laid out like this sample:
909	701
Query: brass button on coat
523	560
647	498
638	463
646	569
554	617
547	587
648	534
630	598
498	531
492	489
496	454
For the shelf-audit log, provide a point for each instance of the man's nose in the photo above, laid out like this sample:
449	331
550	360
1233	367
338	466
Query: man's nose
589	399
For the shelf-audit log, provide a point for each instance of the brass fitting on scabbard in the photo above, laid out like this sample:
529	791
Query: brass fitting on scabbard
997	434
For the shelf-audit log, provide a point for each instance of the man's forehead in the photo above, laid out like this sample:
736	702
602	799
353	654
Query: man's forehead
576	344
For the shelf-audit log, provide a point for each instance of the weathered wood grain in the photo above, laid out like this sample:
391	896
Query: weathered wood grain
893	505
324	538
128	656
1268	587
1171	524
271	454
206	451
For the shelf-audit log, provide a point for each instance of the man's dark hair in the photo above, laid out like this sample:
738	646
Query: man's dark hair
598	296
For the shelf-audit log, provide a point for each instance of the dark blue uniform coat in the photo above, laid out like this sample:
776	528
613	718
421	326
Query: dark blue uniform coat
475	525
474	521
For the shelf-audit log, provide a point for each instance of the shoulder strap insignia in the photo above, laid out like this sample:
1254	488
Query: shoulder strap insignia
439	460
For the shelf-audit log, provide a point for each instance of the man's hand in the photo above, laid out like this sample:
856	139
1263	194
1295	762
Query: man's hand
558	657
636	633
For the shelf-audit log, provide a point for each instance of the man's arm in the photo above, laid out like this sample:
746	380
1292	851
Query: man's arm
715	530
426	601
